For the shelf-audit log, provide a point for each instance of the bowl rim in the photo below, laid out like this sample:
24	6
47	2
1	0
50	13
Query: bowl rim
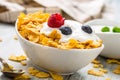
33	43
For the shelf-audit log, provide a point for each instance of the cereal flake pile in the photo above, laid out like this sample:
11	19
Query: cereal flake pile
29	27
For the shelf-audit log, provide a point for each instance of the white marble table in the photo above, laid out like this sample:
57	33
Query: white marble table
10	46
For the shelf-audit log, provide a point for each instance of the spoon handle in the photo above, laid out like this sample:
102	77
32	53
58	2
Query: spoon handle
5	65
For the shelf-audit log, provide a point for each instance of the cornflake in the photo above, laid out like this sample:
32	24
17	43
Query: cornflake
23	63
17	58
97	65
22	77
15	37
56	76
6	69
34	72
95	62
95	73
103	70
1	40
108	79
110	61
117	70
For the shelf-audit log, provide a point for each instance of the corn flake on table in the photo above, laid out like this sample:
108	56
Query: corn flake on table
9	45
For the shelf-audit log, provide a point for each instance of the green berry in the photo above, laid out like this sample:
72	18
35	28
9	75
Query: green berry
105	29
116	29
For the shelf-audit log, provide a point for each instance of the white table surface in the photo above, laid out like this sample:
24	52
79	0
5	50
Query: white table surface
10	46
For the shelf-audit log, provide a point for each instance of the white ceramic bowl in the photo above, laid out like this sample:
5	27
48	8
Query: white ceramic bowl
58	60
111	40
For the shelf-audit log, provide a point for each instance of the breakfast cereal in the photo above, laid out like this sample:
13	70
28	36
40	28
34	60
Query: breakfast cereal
23	63
96	66
108	79
95	61
40	74
39	28
56	76
1	40
117	70
6	69
110	61
99	66
34	72
22	77
15	38
103	70
95	73
17	58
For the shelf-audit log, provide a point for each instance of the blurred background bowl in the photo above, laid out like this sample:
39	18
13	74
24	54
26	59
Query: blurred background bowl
111	40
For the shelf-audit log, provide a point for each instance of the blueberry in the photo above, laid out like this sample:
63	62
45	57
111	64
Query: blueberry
66	30
87	29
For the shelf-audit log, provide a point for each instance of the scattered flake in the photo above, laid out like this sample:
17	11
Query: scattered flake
95	73
97	65
22	77
95	62
34	72
108	79
7	69
23	63
56	76
110	61
15	37
11	67
17	58
1	40
117	70
103	70
42	75
101	66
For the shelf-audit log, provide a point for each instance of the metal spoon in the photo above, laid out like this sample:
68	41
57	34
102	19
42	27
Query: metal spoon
7	71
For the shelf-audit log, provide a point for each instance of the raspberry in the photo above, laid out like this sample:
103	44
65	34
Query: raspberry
55	21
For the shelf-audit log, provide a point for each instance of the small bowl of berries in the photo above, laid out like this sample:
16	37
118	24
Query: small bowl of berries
109	32
55	44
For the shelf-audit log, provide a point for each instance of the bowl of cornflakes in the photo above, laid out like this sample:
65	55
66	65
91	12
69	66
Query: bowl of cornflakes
56	44
109	32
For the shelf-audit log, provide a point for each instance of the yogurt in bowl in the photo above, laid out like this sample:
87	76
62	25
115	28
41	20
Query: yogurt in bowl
111	39
55	44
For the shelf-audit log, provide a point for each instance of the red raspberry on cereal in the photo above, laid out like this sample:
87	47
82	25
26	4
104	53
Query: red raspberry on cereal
55	20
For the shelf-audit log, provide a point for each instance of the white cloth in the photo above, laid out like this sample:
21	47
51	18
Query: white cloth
11	6
79	10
